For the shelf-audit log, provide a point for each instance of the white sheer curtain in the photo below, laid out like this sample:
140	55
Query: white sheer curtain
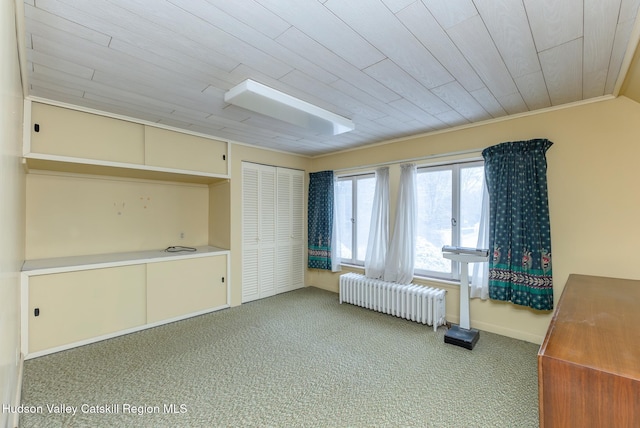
336	241
379	228
479	281
402	251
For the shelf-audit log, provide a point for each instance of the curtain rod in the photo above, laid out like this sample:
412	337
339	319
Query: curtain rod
442	155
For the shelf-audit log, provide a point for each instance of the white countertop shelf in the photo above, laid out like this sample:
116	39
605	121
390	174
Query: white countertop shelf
96	261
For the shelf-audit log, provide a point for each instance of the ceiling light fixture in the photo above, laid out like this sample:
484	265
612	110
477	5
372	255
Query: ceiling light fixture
262	99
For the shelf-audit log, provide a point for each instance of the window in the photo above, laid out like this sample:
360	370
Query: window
449	209
354	196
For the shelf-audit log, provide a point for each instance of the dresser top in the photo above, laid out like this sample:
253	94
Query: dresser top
596	324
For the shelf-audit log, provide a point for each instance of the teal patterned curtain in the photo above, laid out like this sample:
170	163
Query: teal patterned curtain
519	229
320	213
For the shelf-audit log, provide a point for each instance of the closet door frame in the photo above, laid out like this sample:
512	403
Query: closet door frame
272	230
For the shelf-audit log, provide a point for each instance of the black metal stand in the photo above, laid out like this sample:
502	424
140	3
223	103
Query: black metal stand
462	337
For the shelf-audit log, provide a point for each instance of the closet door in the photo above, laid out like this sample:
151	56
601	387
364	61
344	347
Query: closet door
267	231
250	211
297	229
258	231
289	230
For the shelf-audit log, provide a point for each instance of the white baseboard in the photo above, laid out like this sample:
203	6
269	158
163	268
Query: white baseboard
504	331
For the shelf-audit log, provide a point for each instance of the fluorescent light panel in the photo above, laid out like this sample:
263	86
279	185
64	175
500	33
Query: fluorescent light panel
262	99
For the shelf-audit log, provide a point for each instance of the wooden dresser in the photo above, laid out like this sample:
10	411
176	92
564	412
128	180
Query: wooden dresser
589	362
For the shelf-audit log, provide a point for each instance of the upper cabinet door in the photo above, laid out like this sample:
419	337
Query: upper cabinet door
169	149
64	132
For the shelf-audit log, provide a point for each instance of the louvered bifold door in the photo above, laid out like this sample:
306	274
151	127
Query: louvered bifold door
267	234
258	231
250	212
290	230
297	229
272	230
283	231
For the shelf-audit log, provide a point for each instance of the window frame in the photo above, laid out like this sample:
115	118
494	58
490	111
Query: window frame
356	259
455	167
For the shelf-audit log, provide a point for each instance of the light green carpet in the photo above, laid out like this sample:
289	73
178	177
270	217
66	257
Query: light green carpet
297	359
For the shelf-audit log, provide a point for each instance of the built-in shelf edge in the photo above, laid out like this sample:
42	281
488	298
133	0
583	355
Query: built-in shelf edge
47	162
98	261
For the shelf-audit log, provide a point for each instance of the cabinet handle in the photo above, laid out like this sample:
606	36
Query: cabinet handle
36	312
36	127
223	279
224	157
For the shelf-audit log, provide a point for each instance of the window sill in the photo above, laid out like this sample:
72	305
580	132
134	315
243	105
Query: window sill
351	266
438	281
429	279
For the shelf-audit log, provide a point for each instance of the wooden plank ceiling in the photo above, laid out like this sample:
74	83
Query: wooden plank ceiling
395	67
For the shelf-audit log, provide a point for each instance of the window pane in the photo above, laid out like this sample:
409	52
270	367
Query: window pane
434	220
471	179
366	189
344	193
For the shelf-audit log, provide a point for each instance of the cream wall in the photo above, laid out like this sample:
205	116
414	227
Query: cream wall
220	214
69	215
11	206
594	201
631	85
241	153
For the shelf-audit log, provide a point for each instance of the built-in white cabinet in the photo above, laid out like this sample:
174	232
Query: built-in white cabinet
170	149
63	132
272	230
181	287
69	140
132	174
69	307
73	301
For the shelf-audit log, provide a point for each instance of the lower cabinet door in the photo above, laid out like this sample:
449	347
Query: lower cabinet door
180	287
73	306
